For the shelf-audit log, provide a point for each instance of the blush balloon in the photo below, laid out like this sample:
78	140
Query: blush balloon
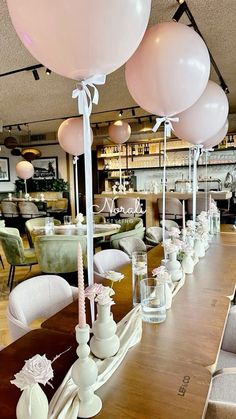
24	169
71	137
205	118
170	69
217	138
78	39
119	132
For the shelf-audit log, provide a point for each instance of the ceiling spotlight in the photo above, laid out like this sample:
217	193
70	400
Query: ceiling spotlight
180	1
9	129
133	112
18	127
35	74
139	121
48	71
150	119
121	112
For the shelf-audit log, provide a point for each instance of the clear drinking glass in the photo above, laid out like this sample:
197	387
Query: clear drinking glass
153	300
67	219
139	272
49	225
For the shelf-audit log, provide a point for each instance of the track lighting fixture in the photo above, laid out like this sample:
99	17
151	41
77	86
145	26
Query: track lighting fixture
18	127
9	128
121	112
139	121
150	119
133	112
48	71
35	74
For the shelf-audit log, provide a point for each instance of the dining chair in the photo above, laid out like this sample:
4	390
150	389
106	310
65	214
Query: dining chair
129	227
173	208
132	244
169	224
154	235
129	207
9	209
15	253
200	205
104	206
36	222
36	298
109	260
30	210
57	254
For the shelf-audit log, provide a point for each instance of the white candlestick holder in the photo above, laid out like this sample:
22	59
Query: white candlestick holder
84	374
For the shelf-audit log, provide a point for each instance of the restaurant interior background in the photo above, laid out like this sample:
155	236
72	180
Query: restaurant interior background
34	104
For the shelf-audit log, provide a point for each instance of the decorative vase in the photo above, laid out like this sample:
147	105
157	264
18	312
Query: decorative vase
199	248
168	295
84	374
105	342
32	404
187	264
174	267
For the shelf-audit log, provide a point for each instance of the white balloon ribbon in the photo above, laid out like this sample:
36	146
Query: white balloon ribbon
168	124
75	162
84	95
196	154
85	101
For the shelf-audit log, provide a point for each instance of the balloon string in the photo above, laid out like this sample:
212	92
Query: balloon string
195	159
206	184
75	162
25	186
164	189
189	165
120	165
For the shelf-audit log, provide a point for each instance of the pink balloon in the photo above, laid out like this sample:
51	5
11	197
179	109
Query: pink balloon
119	132
205	118
78	39
70	136
169	70
217	138
24	169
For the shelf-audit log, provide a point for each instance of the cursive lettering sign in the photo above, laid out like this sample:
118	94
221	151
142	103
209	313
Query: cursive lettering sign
109	206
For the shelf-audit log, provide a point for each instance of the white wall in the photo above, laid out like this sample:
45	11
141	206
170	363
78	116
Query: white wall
47	151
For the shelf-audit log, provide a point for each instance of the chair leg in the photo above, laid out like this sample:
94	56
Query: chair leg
1	261
12	277
9	276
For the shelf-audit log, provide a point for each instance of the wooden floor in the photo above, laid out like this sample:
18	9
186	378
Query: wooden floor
20	274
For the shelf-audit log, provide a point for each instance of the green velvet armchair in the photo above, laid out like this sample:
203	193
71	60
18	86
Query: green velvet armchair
36	222
58	253
130	227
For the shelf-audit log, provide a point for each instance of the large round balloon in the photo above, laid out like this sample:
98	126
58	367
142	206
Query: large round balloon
169	70
70	136
205	118
119	132
217	138
24	169
78	39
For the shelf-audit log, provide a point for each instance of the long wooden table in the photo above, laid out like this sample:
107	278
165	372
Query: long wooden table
168	374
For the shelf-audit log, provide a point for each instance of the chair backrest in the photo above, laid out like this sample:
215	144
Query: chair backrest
132	244
61	204
154	234
36	222
9	209
105	206
97	219
130	227
200	205
58	253
169	224
12	245
28	209
37	297
128	207
109	260
174	207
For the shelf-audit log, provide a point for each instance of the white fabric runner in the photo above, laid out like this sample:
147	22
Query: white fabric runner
65	402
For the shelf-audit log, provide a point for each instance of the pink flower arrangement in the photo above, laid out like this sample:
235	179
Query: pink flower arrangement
100	294
174	232
161	274
37	369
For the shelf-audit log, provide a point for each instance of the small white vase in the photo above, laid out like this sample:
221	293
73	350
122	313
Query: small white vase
32	404
105	342
174	267
187	264
168	295
199	249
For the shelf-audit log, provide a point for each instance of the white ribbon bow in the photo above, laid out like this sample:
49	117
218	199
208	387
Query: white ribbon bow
167	123
83	93
75	159
197	150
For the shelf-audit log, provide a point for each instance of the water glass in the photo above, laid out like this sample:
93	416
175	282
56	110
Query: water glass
139	272
153	300
49	225
67	219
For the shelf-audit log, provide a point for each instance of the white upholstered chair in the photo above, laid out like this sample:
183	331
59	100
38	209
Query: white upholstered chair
169	224
154	235
37	297
109	260
132	244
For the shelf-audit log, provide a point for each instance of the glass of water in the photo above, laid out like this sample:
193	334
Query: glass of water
49	225
139	272
67	219
153	300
